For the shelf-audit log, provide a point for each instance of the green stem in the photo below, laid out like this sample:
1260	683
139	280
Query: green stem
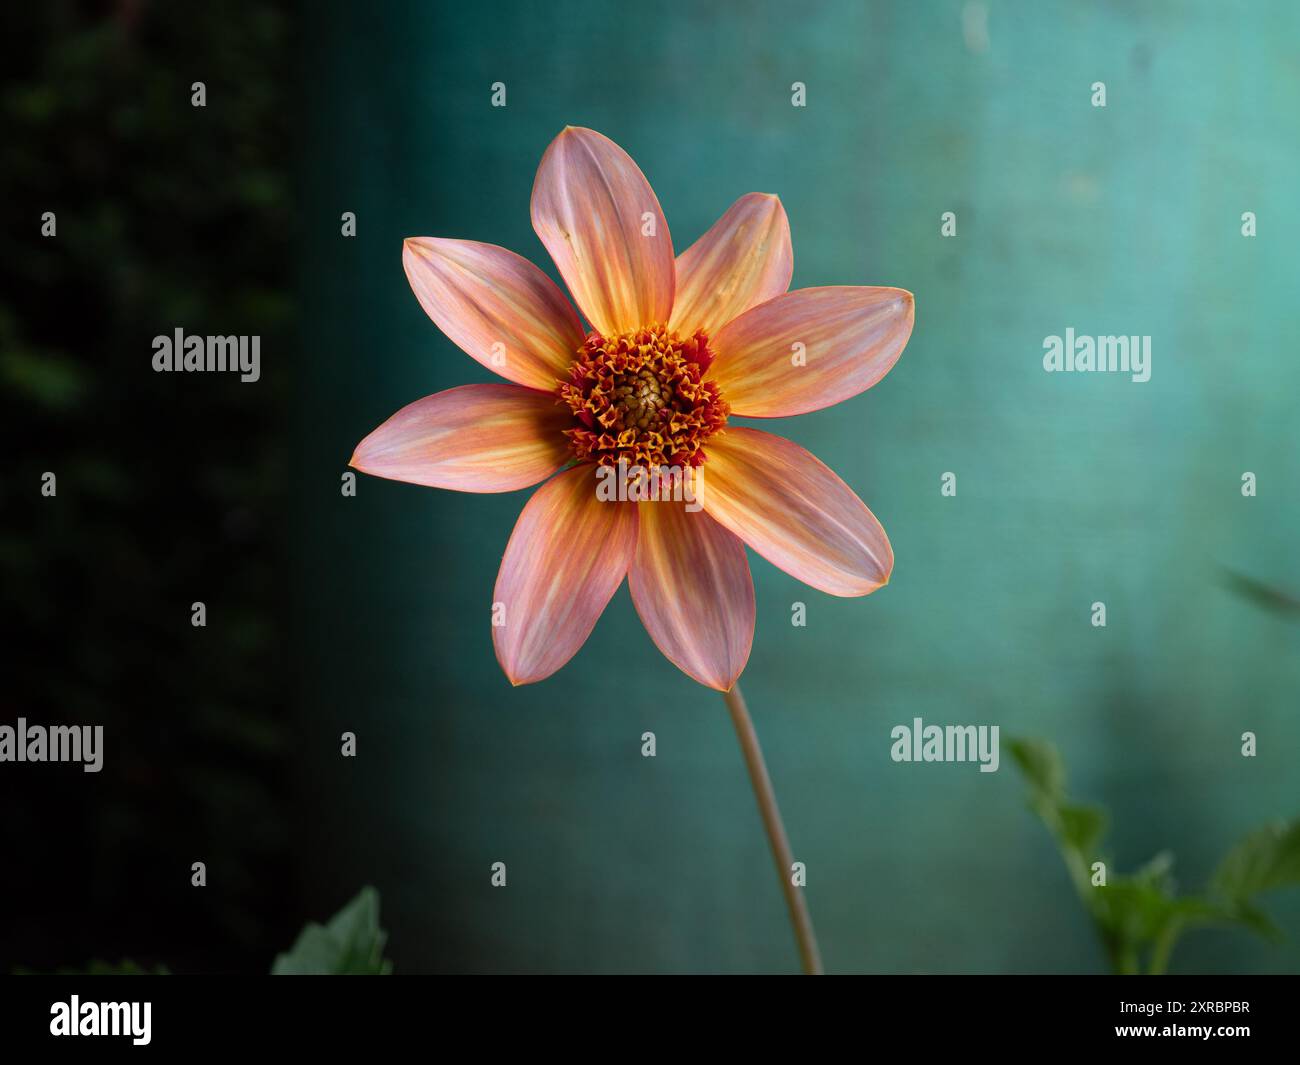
1164	947
794	900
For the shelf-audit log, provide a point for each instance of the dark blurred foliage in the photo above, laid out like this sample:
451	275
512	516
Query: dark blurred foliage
170	486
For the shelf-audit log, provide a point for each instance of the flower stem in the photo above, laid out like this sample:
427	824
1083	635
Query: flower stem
1164	947
803	929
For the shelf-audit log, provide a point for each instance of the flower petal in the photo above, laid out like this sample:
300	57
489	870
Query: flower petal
795	512
565	560
495	305
691	585
850	337
590	207
744	260
476	438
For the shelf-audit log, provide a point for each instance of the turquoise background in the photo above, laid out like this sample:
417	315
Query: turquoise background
1071	488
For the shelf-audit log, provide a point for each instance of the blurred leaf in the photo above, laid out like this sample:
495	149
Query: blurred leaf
33	103
47	380
1134	911
1075	826
1266	859
1077	829
1041	764
1255	919
1082	827
1193	909
352	944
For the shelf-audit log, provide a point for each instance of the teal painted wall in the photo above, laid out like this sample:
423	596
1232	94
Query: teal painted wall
1072	488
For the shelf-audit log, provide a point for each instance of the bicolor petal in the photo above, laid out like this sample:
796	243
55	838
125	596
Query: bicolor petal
794	511
810	349
745	259
475	438
566	558
600	220
691	585
496	306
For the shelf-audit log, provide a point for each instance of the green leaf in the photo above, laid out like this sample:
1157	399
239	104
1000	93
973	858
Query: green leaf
1081	827
1195	910
1041	765
1252	917
1266	859
352	944
1133	911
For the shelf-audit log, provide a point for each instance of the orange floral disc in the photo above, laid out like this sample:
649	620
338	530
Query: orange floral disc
639	398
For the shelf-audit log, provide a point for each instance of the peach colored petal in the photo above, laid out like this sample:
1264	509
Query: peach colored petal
691	585
795	512
850	338
495	305
476	438
744	260
600	220
565	560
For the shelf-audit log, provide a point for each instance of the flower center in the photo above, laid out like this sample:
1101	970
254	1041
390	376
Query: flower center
639	398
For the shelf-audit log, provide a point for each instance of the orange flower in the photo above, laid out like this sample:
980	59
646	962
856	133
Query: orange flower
676	347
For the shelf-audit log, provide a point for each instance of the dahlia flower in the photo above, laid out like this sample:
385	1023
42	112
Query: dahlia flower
677	346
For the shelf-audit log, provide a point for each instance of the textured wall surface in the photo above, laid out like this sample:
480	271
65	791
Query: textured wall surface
1072	488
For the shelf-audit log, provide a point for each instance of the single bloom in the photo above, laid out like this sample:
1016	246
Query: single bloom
676	347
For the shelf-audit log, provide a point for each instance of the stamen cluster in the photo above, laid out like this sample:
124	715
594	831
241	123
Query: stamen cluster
641	398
